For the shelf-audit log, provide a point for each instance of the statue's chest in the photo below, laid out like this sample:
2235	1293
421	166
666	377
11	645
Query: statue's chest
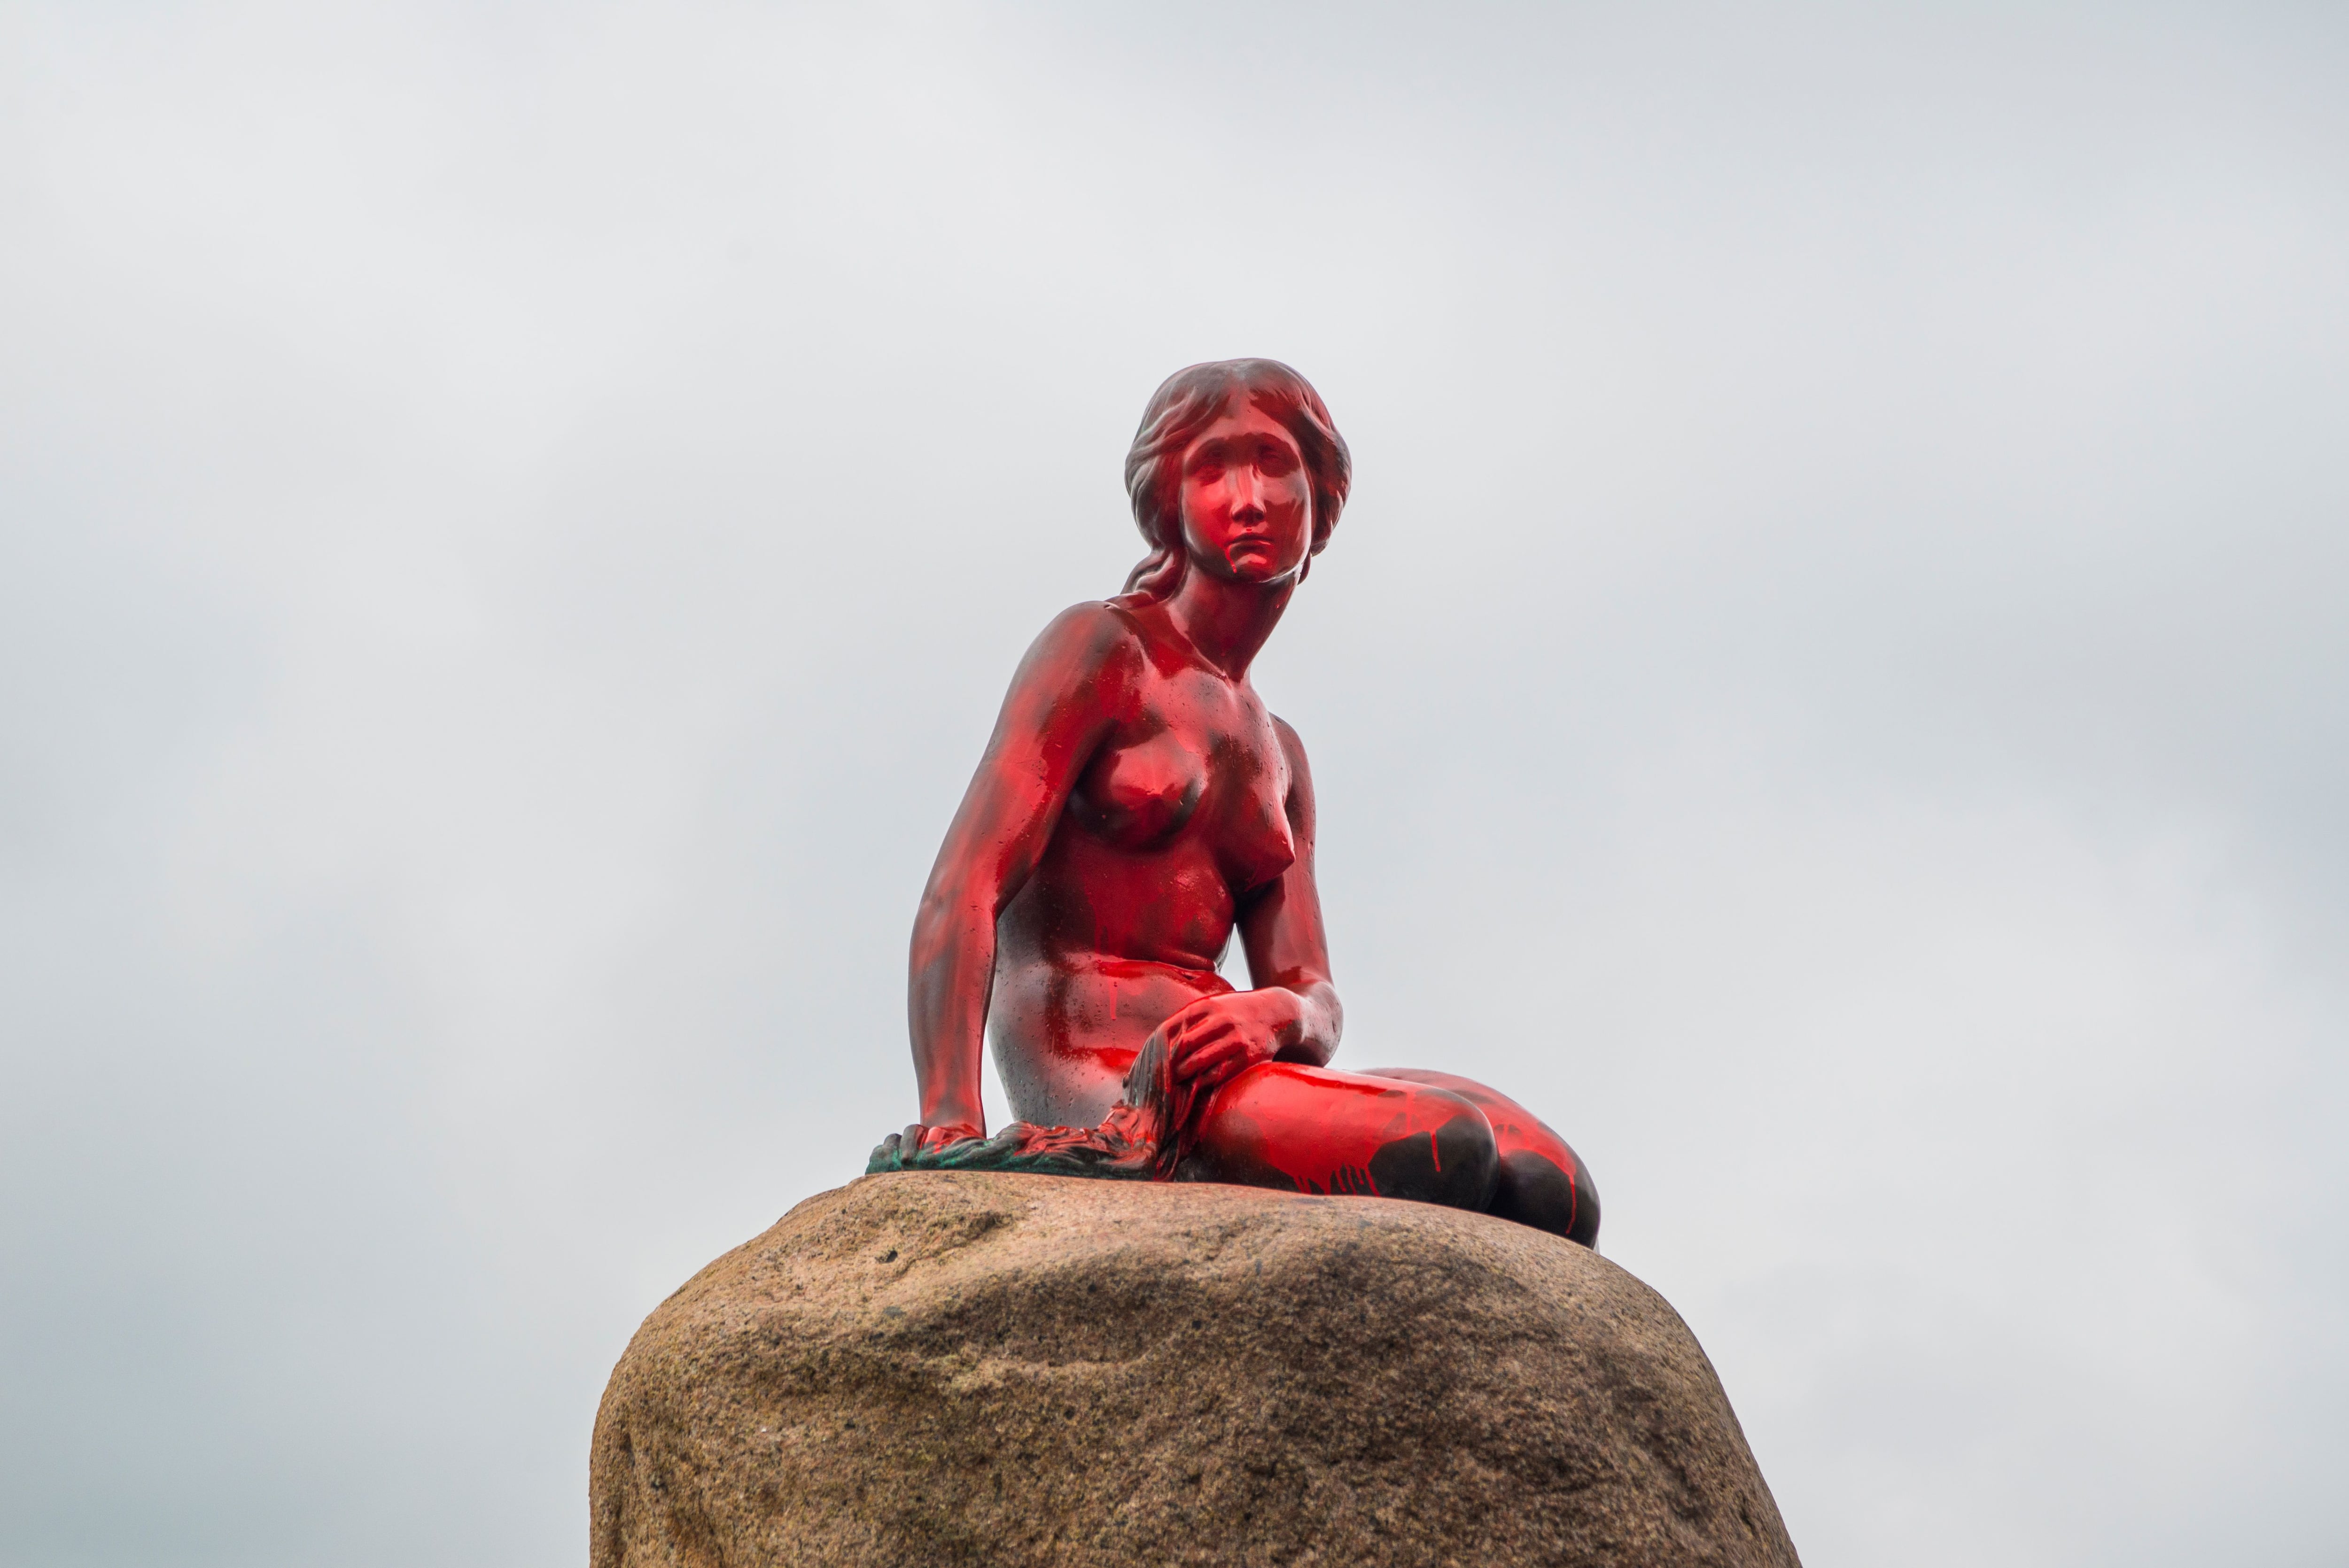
1196	766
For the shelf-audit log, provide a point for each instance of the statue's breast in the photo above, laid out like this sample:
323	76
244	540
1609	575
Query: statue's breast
1255	843
1208	768
1138	796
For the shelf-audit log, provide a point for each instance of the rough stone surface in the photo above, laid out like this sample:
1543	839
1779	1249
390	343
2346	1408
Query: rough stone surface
941	1368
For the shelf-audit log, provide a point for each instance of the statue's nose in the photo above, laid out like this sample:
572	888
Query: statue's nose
1247	494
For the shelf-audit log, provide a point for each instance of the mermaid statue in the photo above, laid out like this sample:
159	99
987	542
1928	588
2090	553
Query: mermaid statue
1137	804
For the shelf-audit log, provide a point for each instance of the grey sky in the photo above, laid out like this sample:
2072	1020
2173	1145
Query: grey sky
514	520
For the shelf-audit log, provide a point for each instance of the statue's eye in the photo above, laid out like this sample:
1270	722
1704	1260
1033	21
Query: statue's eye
1207	472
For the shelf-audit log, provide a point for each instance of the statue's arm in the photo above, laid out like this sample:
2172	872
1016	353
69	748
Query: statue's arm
1281	932
1063	703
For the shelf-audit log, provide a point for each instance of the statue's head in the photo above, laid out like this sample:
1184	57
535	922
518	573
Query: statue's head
1237	464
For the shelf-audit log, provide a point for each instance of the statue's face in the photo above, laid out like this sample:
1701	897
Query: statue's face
1248	502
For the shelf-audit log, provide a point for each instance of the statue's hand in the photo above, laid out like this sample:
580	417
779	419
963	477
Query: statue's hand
1216	1038
920	1139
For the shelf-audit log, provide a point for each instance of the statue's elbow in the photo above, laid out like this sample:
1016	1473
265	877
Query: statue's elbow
942	920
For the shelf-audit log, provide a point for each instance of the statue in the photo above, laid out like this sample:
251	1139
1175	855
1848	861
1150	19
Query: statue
1138	804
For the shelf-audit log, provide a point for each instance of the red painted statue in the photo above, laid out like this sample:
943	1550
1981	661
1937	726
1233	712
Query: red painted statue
1136	804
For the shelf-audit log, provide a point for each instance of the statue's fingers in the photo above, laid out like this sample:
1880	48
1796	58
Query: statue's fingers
1210	1054
1200	1033
1188	1016
973	1148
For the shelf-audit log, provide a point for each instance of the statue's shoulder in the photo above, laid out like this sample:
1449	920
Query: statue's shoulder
1292	747
1085	642
1099	625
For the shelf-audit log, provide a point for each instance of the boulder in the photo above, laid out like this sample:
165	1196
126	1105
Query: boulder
958	1368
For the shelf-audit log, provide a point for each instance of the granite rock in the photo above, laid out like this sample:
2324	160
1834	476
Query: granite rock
955	1368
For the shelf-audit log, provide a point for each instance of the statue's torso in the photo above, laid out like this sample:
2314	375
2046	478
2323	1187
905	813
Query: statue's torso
1178	816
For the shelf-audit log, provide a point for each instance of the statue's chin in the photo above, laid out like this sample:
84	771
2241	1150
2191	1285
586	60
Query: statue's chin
1258	570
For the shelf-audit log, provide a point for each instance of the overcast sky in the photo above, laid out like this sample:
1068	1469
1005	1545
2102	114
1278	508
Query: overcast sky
514	521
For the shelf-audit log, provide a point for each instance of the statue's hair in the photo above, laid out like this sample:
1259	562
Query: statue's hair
1185	405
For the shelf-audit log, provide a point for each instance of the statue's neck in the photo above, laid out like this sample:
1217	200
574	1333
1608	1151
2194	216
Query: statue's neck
1226	621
